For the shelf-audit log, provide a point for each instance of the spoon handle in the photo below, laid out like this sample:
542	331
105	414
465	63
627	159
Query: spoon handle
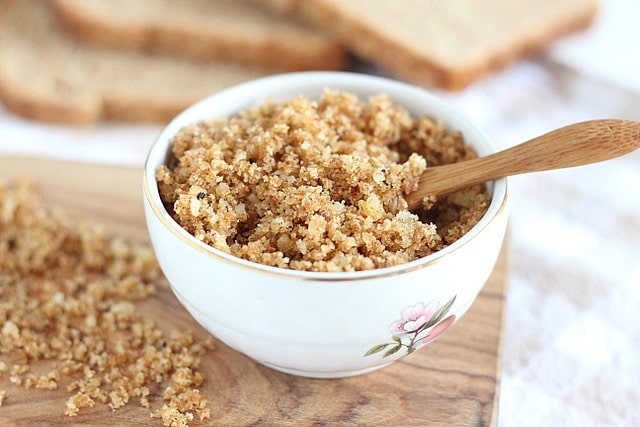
574	145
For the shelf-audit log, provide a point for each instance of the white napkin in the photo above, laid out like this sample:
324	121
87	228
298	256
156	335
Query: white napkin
610	49
571	349
109	143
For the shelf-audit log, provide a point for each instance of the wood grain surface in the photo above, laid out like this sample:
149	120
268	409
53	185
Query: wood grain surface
454	381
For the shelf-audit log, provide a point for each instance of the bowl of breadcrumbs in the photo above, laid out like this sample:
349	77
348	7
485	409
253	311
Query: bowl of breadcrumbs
277	212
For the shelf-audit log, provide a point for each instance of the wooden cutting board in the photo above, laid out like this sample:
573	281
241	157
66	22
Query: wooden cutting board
454	381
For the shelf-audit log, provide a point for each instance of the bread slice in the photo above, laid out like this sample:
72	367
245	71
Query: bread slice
47	75
205	29
444	43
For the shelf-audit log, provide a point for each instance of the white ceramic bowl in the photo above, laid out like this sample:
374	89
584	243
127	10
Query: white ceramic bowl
323	324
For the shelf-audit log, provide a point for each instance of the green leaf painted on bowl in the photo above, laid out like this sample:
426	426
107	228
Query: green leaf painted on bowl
392	350
440	313
376	349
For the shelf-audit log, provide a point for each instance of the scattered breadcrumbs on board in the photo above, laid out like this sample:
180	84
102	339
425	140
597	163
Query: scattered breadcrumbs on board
68	295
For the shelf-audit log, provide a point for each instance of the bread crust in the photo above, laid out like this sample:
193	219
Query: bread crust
307	50
36	107
402	59
49	76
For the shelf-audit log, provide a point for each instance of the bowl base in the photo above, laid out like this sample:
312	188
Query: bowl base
323	374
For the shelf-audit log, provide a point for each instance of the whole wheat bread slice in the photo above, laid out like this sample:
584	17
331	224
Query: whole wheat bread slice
207	29
447	43
47	75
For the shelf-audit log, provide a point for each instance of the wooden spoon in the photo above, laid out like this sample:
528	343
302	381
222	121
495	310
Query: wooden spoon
574	145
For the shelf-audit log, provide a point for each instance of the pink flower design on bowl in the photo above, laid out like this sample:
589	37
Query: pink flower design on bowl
413	317
418	325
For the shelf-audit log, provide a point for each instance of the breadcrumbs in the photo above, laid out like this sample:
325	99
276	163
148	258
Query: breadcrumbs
317	185
68	297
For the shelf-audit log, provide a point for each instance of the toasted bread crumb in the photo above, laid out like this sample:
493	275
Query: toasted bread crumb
318	185
69	295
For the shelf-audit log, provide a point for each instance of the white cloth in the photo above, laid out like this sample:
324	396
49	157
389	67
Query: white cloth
571	349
